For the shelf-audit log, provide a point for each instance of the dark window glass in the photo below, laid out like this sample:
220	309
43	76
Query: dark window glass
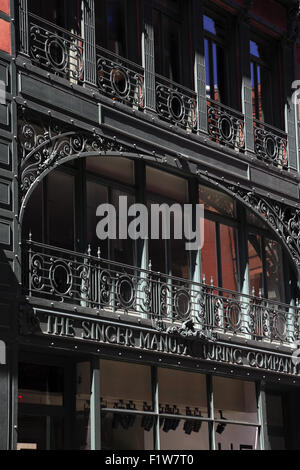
110	25
83	397
275	421
123	250
40	433
57	13
262	83
60	187
228	243
167	40
33	216
215	61
96	194
41	385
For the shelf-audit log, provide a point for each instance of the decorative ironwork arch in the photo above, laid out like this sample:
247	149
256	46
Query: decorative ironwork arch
44	148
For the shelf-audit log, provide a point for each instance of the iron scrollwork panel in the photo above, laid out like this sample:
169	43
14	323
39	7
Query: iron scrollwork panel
225	126
120	79
55	49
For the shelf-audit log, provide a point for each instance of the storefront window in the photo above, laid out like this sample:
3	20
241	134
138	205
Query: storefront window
235	400
126	432
124	385
41	385
234	437
178	434
185	392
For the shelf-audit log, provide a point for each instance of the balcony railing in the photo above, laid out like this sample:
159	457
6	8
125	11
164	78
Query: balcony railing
270	144
119	78
55	49
62	52
92	282
176	104
225	125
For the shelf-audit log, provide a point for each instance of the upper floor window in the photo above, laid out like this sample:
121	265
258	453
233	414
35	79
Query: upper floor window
215	60
112	18
265	81
62	13
167	20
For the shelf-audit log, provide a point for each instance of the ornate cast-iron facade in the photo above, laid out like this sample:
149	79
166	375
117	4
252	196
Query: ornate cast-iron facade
168	101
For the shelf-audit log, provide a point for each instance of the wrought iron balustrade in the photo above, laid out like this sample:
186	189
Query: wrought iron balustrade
270	144
55	49
119	78
225	125
176	104
171	303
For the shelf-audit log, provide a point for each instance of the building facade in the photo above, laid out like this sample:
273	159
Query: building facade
140	344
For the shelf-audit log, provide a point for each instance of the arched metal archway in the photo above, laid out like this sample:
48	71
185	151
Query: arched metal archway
44	149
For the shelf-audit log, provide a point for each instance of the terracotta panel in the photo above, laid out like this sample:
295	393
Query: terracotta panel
5	42
4	6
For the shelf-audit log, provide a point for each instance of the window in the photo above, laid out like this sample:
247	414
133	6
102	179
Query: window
265	81
180	407
219	252
167	256
215	60
111	20
265	266
167	20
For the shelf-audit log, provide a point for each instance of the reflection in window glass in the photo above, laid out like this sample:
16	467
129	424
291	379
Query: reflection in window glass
215	201
228	242
182	392
255	264
117	390
165	184
61	209
235	400
209	253
126	432
119	169
184	435
232	437
40	384
274	270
